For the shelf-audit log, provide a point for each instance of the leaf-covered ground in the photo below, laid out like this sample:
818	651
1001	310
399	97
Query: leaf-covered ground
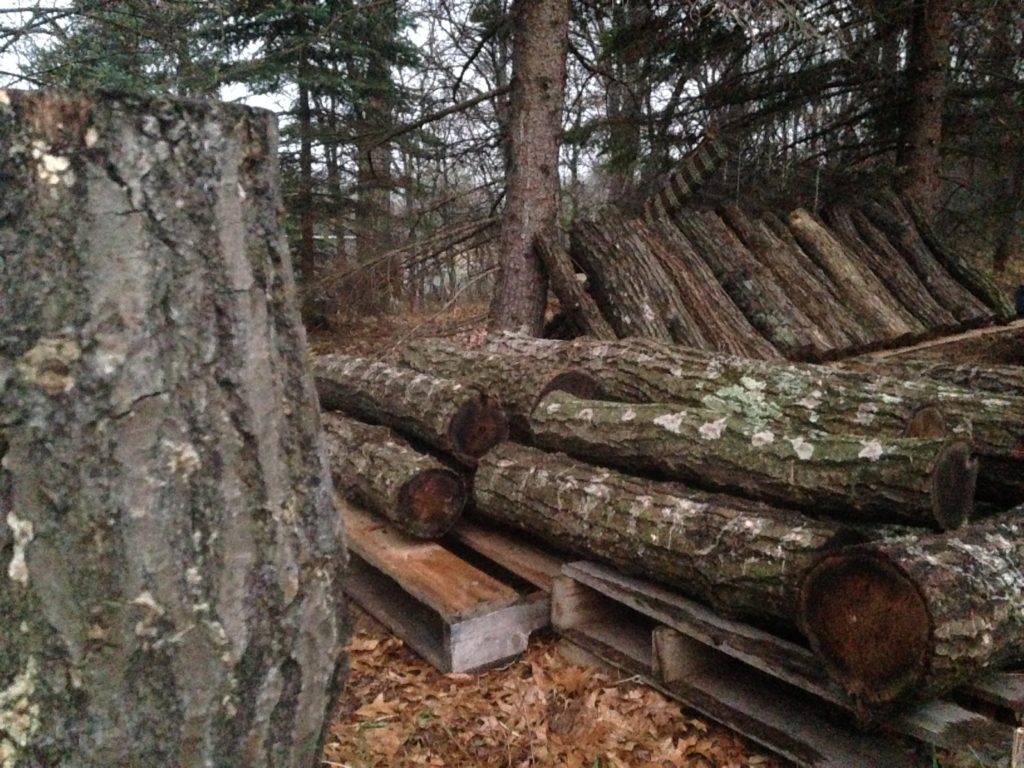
540	711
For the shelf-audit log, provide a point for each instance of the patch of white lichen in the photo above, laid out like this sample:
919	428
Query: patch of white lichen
19	715
47	365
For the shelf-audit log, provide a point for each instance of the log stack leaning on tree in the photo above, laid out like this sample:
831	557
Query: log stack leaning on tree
172	557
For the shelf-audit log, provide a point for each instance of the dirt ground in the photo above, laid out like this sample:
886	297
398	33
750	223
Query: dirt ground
537	712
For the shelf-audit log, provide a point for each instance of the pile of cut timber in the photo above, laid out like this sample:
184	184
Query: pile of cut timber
809	288
836	503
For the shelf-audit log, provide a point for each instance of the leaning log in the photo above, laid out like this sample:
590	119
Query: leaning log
897	225
723	324
173	564
912	618
994	345
745	558
975	280
576	303
919	481
861	289
374	468
451	417
805	289
752	288
630	285
875	251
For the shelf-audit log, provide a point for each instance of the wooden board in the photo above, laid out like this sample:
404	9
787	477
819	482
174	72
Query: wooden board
994	345
598	602
459	617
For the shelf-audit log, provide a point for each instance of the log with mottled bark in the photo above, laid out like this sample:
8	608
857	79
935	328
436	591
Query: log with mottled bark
915	617
874	251
920	481
892	220
984	380
992	345
862	291
808	290
753	288
978	282
519	384
576	303
746	558
375	468
173	563
443	413
630	283
723	324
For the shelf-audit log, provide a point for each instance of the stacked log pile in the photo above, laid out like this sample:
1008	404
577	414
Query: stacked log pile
837	503
811	288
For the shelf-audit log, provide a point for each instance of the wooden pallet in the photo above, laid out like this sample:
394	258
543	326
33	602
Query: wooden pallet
458	615
767	688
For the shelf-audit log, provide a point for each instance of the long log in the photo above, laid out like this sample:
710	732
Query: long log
975	280
630	285
752	288
723	324
808	291
985	380
443	413
993	345
896	224
745	558
863	292
577	304
914	617
376	469
919	481
885	262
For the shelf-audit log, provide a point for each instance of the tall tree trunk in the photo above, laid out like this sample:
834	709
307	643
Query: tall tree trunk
171	556
928	60
531	204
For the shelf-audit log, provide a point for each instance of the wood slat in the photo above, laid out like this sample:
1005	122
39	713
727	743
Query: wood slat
530	563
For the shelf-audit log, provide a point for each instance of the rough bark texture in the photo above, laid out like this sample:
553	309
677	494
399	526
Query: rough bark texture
723	325
752	288
443	413
171	552
885	262
576	303
984	380
630	284
892	219
376	469
915	617
811	397
979	283
531	203
518	383
743	557
904	480
806	285
992	345
863	292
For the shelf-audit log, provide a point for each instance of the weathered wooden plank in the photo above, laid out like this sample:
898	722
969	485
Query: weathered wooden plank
426	570
533	564
993	345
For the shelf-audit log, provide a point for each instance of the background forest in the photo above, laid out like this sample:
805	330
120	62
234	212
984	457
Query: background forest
395	113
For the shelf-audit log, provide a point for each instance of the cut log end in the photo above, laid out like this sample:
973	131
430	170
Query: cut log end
953	484
432	502
928	421
870	624
479	425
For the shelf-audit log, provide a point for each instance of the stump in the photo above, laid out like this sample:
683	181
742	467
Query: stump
172	557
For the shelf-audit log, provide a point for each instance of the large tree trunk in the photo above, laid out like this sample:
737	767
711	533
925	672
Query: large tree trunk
375	468
443	413
743	557
902	480
810	397
920	150
915	617
172	555
531	203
